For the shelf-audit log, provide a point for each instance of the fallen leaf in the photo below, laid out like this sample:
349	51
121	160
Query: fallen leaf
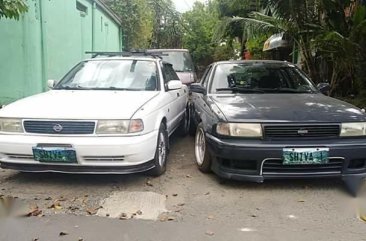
48	198
253	216
170	218
92	211
61	199
123	216
107	215
188	176
175	195
139	212
207	193
35	239
56	205
34	212
80	239
210	217
181	204
210	233
300	201
73	208
148	183
63	233
363	217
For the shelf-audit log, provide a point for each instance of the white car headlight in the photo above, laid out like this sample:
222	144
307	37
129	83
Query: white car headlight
11	125
239	129
353	129
115	127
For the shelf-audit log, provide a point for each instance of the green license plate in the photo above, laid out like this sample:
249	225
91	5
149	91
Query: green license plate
54	154
305	156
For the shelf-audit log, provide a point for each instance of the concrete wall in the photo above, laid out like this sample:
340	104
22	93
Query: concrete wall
48	40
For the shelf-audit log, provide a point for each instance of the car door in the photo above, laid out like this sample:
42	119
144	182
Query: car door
174	98
199	100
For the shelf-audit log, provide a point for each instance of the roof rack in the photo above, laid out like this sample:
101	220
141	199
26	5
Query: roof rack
126	53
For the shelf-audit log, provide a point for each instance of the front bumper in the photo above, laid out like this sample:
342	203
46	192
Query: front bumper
257	160
109	155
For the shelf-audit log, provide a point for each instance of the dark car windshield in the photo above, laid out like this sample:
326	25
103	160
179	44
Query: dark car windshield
181	61
112	74
260	78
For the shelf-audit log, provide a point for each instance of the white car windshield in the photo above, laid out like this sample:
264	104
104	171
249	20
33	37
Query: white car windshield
112	74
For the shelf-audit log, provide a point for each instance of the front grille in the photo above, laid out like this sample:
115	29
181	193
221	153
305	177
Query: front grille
301	131
273	167
60	127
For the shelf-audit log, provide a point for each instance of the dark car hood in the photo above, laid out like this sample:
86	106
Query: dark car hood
286	108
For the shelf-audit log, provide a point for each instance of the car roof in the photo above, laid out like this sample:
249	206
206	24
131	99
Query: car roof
167	50
106	58
269	62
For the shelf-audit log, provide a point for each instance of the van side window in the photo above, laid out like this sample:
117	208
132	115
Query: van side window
205	76
169	73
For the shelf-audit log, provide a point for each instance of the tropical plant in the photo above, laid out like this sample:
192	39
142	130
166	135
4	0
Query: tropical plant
325	30
12	8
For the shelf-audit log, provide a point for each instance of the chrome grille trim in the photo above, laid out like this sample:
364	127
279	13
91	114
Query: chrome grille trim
19	156
104	158
301	130
68	127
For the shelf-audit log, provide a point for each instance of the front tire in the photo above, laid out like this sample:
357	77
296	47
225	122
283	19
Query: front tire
203	158
161	154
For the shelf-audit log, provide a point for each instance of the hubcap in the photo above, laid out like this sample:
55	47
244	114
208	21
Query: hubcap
200	147
162	149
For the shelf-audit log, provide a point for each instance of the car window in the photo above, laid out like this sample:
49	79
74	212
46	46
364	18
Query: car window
112	74
169	73
261	77
181	61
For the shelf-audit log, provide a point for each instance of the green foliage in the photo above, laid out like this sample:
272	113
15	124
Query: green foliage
168	28
137	20
148	23
199	25
255	46
12	8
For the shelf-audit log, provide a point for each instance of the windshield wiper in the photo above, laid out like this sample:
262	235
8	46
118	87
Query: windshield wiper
115	88
288	90
241	90
72	88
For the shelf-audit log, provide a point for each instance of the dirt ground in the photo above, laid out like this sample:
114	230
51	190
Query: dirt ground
183	204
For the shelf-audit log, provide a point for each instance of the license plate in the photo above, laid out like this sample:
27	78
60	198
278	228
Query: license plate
54	154
305	156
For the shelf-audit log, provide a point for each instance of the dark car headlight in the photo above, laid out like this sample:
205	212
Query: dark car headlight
239	129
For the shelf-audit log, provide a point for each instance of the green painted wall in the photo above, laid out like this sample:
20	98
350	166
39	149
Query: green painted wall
48	40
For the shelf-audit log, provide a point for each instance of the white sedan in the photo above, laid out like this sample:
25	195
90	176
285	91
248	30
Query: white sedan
107	115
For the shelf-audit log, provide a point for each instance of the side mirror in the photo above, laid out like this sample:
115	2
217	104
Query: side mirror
174	85
51	84
323	88
197	88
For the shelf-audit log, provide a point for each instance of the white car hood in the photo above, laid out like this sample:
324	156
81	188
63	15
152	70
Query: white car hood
79	104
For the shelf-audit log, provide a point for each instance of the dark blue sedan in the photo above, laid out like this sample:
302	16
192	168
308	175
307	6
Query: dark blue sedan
259	120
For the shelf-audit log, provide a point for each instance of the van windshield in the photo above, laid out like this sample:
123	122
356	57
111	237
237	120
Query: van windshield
181	61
